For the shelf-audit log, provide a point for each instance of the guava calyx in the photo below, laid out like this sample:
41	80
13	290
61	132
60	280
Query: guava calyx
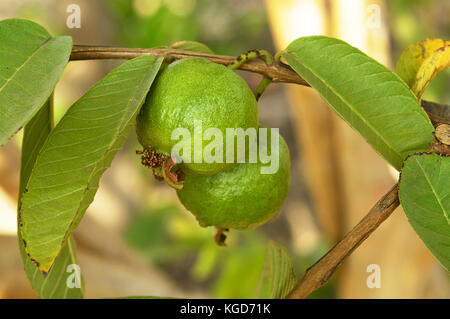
220	236
173	179
151	159
162	166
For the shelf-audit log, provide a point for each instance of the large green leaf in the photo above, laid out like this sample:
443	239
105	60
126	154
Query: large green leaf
54	285
372	99
31	63
424	192
277	277
65	178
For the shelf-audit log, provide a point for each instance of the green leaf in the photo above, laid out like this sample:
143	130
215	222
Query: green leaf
54	285
191	46
31	63
412	58
424	193
65	177
370	98
277	277
34	136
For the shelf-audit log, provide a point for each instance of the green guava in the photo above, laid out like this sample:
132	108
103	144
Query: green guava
240	197
188	90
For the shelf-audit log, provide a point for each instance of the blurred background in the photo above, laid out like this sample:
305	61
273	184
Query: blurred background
136	239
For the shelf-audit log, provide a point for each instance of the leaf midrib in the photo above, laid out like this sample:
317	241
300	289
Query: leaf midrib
24	63
433	190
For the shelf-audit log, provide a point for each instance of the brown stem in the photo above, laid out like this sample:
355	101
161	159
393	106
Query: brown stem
317	275
277	72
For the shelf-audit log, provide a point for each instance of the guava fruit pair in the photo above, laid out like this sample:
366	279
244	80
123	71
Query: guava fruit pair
226	195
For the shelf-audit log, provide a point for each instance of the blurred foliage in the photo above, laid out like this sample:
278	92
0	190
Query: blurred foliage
227	27
173	240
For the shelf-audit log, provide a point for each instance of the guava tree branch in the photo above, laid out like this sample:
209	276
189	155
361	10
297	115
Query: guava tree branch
317	275
277	72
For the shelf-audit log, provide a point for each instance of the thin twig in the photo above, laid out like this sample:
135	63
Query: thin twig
277	72
317	275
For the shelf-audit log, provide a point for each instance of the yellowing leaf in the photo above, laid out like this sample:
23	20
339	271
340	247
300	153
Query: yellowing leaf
438	61
412	58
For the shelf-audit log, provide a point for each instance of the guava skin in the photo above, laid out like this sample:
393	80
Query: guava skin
195	89
239	197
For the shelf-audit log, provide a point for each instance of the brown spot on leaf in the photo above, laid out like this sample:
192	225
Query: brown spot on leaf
423	48
37	263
